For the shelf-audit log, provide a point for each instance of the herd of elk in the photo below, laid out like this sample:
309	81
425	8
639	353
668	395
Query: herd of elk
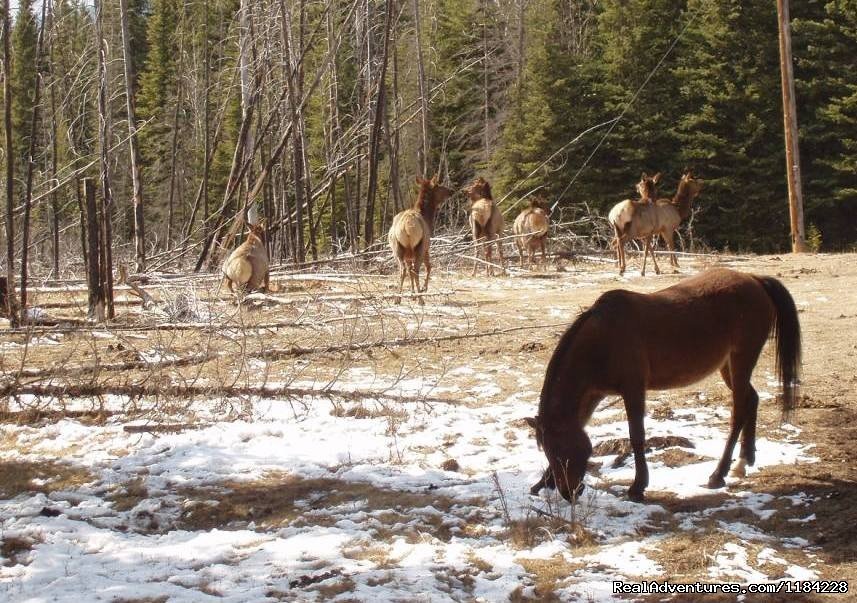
646	219
643	219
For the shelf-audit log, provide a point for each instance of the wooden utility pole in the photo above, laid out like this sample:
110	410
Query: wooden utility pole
791	133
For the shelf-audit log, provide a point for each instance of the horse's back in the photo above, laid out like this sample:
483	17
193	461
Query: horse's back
679	335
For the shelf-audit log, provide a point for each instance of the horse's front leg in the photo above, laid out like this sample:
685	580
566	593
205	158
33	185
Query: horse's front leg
635	408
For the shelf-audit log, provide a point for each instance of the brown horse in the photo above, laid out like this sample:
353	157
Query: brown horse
411	231
247	265
628	343
486	222
637	220
531	230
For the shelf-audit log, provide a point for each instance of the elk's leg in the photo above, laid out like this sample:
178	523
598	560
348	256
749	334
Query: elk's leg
620	250
427	262
544	257
402	268
668	239
476	240
635	407
500	253
520	247
489	256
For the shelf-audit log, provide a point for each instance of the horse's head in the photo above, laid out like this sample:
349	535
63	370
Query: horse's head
567	448
647	186
479	189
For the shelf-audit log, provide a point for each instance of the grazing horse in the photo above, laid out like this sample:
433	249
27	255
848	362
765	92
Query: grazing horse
636	220
628	343
411	231
531	230
247	265
486	222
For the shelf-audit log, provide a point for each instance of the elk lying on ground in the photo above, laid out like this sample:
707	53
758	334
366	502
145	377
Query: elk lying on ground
486	223
531	230
637	220
411	232
247	266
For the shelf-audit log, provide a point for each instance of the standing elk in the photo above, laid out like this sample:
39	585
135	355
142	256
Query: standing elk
247	265
486	223
643	220
531	231
410	234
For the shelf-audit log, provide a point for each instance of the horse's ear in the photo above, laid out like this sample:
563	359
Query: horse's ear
656	178
532	421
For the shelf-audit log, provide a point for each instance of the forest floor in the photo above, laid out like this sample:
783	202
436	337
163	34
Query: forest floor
324	443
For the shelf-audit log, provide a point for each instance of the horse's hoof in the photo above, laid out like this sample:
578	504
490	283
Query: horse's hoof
740	469
715	482
534	491
636	496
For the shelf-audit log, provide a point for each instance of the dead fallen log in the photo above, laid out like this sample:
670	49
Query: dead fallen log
194	391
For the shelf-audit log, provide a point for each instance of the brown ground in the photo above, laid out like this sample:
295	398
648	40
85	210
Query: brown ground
824	286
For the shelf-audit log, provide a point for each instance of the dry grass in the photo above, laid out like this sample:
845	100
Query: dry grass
16	477
548	574
688	555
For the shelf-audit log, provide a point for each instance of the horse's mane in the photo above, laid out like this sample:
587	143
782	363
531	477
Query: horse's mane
553	365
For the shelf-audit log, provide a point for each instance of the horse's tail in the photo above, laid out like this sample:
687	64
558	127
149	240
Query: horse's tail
787	337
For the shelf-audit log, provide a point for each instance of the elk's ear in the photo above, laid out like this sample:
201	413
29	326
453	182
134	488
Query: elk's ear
531	421
643	176
434	179
656	178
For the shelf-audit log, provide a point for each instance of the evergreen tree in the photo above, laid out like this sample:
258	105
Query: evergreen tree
24	69
825	44
733	131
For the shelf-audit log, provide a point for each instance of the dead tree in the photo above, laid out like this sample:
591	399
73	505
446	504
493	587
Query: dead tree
139	223
31	164
92	252
104	144
375	133
10	169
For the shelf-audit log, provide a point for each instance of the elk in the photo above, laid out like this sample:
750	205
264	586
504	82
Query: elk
643	220
486	222
247	265
531	230
411	231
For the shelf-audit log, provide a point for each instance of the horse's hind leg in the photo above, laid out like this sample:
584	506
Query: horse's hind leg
635	409
743	398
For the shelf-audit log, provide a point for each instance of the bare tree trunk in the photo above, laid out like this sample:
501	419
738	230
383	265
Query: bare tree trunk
393	133
11	312
55	218
297	143
130	107
91	235
375	134
421	77
174	157
31	164
104	144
